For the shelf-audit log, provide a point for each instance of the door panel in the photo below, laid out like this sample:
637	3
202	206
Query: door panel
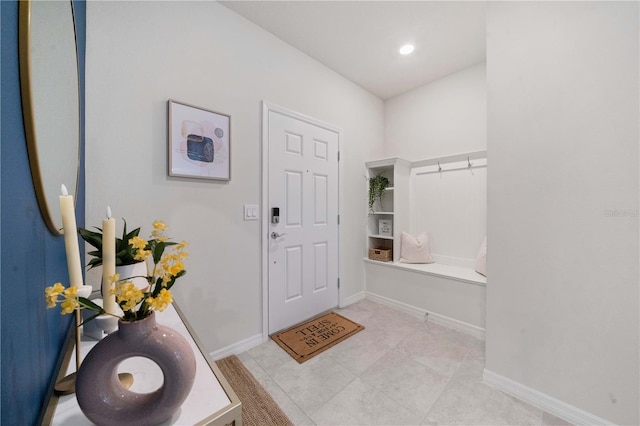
293	270
303	256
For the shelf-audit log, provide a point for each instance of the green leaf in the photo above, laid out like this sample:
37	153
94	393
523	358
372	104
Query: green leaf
157	288
90	305
97	261
93	238
91	318
173	280
157	251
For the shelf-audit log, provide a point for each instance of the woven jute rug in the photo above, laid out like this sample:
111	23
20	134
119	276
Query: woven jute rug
306	340
258	408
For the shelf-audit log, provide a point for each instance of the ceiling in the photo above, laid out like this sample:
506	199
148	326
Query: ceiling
360	39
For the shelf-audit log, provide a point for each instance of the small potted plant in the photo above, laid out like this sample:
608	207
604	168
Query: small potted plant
377	185
125	252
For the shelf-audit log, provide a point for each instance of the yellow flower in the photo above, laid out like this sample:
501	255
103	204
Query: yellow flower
137	242
128	295
158	224
71	300
51	294
114	278
69	306
159	303
182	245
176	268
142	254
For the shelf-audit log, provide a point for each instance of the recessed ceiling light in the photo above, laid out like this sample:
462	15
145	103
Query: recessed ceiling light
407	49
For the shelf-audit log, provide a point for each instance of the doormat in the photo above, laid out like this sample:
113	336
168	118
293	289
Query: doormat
306	340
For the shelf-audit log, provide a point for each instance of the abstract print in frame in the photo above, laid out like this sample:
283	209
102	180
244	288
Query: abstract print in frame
199	142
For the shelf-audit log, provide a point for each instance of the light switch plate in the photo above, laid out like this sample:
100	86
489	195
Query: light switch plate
251	212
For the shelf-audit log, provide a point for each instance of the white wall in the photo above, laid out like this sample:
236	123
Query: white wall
451	205
140	54
445	117
563	301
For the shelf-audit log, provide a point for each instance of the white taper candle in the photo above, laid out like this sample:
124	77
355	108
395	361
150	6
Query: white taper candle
67	209
108	261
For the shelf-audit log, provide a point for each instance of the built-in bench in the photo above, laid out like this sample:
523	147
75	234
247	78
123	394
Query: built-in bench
451	295
453	272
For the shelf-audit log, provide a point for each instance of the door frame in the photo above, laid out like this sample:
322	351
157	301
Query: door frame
264	202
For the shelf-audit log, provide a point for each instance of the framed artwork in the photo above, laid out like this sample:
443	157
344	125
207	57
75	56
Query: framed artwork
199	142
385	227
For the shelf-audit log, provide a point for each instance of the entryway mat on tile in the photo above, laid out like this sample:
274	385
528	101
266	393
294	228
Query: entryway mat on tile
258	407
309	338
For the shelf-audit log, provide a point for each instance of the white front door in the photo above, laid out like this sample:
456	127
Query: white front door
303	244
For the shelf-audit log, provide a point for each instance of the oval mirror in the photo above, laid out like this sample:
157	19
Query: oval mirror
50	101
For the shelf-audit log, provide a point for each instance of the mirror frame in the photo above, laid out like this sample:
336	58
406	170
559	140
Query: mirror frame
28	112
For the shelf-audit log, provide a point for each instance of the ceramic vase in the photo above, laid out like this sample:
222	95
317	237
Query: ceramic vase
105	401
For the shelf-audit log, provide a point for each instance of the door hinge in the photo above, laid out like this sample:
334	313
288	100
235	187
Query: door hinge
338	219
338	282
338	155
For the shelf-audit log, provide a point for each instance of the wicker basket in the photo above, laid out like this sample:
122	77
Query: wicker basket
381	254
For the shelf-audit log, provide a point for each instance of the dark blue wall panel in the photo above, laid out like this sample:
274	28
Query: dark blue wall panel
32	258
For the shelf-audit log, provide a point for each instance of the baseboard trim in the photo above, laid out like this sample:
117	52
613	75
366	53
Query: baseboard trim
238	347
353	299
541	400
432	316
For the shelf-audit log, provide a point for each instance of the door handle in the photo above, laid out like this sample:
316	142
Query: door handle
275	235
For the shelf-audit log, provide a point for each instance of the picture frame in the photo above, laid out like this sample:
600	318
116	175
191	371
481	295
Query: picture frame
199	142
385	227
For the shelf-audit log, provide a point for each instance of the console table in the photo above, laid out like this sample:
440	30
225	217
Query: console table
210	402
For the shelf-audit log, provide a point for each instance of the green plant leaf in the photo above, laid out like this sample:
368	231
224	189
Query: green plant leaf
157	287
90	305
173	280
157	250
377	185
93	238
96	261
91	318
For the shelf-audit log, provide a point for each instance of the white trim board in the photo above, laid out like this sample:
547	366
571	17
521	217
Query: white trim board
541	400
361	295
430	316
238	347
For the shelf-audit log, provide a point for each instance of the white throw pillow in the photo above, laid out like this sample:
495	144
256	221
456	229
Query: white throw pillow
415	249
481	258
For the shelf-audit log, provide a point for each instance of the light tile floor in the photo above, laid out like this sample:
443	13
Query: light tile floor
400	370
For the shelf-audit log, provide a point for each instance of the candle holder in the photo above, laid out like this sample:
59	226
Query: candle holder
107	323
67	385
102	325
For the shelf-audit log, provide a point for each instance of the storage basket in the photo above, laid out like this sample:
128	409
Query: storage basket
381	254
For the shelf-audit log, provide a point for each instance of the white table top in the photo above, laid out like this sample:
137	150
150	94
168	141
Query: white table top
206	398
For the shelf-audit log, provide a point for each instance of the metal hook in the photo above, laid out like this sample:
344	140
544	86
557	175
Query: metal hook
469	162
439	168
